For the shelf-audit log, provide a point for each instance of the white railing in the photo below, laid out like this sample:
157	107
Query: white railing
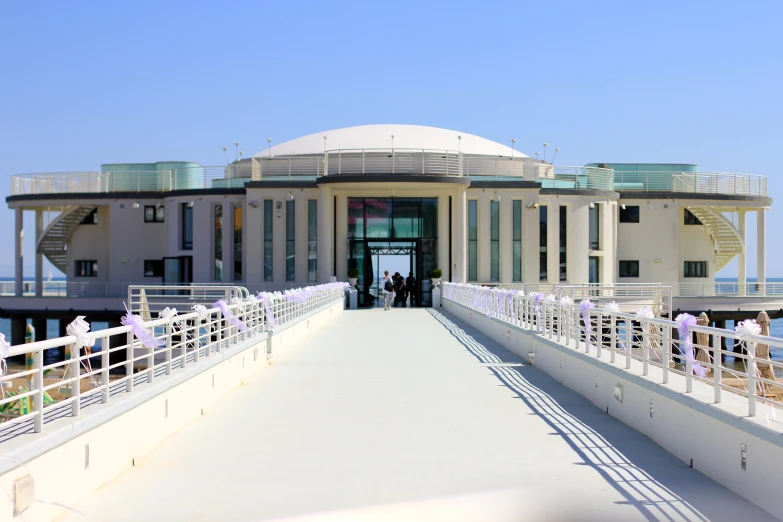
728	289
42	392
622	338
96	288
691	182
149	300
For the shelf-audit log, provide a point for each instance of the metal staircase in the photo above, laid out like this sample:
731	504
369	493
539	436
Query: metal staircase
54	240
727	239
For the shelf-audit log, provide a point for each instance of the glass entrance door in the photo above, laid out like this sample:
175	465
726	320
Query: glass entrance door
395	257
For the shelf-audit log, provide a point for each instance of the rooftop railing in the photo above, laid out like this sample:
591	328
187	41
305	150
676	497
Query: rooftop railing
39	393
620	338
691	182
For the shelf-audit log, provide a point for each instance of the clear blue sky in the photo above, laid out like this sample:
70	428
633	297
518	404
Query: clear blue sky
85	83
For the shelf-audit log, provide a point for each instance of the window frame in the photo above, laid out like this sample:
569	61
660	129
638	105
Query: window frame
158	213
686	272
624	212
629	265
158	263
93	264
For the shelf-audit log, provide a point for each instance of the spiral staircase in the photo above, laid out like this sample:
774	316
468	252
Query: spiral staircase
54	240
727	239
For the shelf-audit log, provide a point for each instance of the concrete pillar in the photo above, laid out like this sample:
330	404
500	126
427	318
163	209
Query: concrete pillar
443	237
203	241
761	248
578	243
300	246
278	242
18	325
484	236
460	259
39	324
325	234
19	255
742	275
341	239
553	243
607	221
252	244
38	256
531	228
506	239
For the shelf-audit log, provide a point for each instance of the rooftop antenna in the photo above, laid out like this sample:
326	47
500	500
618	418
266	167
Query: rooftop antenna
269	145
553	157
226	155
513	144
236	149
545	144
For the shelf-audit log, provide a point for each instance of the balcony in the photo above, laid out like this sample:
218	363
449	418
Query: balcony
720	183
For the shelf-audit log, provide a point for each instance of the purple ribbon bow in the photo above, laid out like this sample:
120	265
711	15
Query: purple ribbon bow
137	325
270	317
584	308
537	297
684	324
231	318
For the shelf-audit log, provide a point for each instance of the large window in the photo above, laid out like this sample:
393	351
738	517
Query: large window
563	242
312	240
629	269
218	253
153	268
690	219
472	240
290	240
629	214
594	218
154	214
92	218
86	269
187	227
237	243
542	231
268	222
494	245
517	241
695	269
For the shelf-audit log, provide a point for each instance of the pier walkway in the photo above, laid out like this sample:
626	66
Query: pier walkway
408	415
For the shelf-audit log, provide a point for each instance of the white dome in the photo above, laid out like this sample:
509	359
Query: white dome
379	137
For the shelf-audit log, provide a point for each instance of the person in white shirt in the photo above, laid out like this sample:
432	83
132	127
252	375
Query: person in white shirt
387	288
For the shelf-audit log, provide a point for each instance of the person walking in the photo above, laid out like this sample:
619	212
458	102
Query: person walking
387	289
410	288
399	290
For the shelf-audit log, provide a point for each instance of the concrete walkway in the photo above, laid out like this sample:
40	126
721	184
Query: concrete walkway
408	415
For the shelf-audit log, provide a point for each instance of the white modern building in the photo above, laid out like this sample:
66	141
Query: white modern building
309	209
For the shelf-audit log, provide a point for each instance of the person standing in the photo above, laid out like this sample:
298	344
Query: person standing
399	290
410	288
387	289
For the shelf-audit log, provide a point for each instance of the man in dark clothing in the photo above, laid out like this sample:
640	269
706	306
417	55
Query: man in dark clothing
399	290
410	288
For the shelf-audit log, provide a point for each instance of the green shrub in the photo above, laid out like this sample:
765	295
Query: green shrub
436	273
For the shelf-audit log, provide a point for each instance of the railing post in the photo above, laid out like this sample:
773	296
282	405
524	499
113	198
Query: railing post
219	328
645	348
612	339
599	335
129	364
197	339
76	387
688	372
105	347
169	330
666	350
751	370
628	343
717	374
38	384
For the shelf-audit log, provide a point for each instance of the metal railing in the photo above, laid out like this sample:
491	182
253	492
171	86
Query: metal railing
91	288
728	289
149	300
44	392
691	182
621	338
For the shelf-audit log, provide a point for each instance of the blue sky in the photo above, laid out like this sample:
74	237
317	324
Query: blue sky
85	83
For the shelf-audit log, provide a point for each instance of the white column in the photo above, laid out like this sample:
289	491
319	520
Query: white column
278	241
578	243
484	237
460	206
19	253
325	234
38	255
252	242
531	248
341	238
761	247
506	239
443	237
553	243
742	275
607	220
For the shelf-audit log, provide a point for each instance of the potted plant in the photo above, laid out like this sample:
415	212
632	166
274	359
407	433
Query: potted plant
353	275
435	275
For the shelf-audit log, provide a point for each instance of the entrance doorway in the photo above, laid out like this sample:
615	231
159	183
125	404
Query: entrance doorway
395	257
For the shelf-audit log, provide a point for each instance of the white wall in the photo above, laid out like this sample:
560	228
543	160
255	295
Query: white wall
653	242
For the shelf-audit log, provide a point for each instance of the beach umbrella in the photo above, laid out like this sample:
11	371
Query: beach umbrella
703	341
762	351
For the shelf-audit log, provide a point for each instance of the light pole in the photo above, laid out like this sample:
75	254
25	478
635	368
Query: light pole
553	157
537	155
226	155
236	150
545	144
324	144
269	145
513	144
459	144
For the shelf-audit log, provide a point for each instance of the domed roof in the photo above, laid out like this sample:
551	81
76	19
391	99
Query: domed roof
379	137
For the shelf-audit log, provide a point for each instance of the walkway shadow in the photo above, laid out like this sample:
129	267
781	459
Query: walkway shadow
651	479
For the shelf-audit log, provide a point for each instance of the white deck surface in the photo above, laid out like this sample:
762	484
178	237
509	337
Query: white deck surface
397	416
